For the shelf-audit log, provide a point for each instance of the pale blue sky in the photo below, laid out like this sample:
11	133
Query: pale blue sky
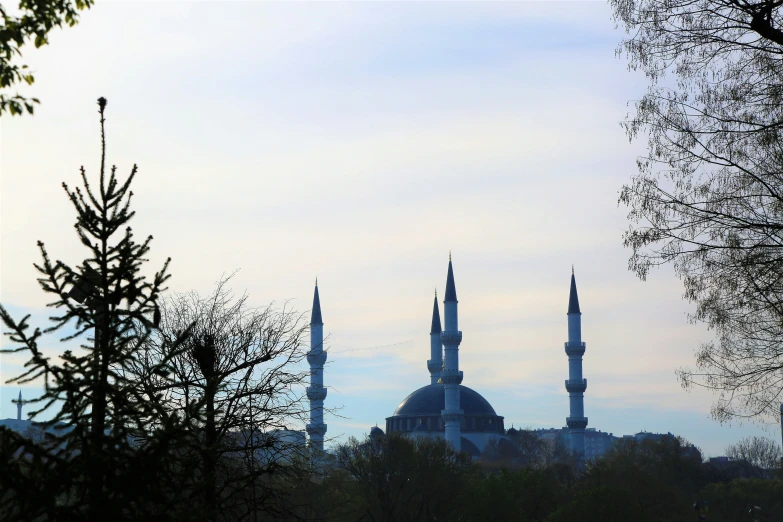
360	142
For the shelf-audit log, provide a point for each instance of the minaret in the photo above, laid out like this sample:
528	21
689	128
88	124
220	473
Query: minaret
576	385
435	364
19	406
316	392
451	377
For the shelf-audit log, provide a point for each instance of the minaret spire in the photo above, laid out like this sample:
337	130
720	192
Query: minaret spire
19	406
435	364
573	297
316	392
451	377
451	289
576	384
315	316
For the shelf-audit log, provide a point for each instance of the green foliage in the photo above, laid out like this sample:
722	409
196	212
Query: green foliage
651	480
38	18
732	501
659	479
521	495
601	504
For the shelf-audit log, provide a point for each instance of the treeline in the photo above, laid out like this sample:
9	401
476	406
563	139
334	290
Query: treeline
391	477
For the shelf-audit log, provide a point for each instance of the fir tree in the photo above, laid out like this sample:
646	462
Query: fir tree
107	461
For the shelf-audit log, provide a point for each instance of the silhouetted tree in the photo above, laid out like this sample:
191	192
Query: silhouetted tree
521	495
108	463
761	452
729	502
534	451
708	197
237	384
641	480
402	478
38	18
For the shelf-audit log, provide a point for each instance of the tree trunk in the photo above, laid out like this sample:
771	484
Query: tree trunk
210	433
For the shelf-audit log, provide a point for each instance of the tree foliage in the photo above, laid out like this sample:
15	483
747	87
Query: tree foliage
520	494
738	499
104	431
708	197
638	480
402	478
35	19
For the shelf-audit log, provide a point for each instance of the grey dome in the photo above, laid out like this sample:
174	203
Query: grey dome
431	400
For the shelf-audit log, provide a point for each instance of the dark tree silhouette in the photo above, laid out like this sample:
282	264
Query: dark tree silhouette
403	478
238	385
760	452
708	197
105	461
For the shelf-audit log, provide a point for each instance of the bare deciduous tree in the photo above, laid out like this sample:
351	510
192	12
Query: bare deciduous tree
708	197
238	385
760	452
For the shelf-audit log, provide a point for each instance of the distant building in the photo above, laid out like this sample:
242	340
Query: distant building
645	435
274	446
596	443
36	431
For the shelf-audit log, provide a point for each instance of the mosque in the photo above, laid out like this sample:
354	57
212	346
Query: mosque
445	408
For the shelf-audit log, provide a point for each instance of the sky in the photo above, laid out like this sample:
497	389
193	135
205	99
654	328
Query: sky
360	143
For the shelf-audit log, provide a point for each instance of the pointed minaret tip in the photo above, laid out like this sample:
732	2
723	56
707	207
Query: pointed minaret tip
573	298
436	329
315	318
451	289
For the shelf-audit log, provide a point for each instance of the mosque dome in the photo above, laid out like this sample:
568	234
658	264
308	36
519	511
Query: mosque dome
422	411
430	399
